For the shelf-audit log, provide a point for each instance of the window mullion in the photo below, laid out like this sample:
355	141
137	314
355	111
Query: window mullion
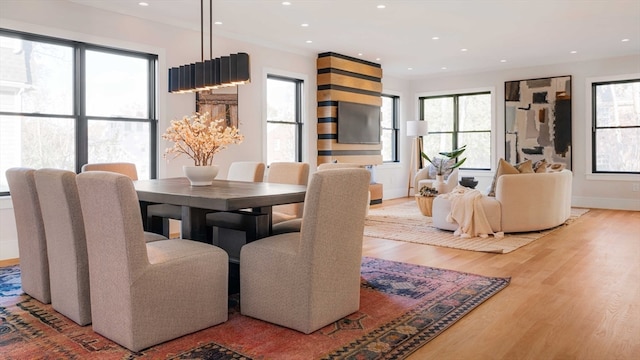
79	81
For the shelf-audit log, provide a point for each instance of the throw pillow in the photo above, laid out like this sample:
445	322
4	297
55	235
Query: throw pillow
505	168
555	167
540	166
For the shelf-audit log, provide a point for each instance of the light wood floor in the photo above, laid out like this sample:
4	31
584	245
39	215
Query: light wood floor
574	294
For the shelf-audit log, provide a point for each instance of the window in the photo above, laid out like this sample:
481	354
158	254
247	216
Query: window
615	132
457	120
284	119
389	123
65	103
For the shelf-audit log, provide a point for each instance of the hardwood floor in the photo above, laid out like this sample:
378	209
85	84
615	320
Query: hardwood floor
574	294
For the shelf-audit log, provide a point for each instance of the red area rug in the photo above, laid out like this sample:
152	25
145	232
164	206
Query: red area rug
402	307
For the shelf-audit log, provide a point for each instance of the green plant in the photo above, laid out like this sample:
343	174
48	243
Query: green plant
428	191
441	165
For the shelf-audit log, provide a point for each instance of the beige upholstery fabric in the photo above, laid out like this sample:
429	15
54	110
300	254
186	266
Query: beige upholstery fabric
164	211
124	168
66	243
451	181
288	173
142	293
523	202
32	246
246	171
504	167
308	279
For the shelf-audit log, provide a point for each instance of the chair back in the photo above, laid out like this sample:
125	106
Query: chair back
115	239
246	171
124	168
66	243
333	227
32	244
329	166
296	173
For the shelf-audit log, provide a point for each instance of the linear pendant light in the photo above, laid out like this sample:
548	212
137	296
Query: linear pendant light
210	74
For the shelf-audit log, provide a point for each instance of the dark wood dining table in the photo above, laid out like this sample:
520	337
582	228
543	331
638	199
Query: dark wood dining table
222	195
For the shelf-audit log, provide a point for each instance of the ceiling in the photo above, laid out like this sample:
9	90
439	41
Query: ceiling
496	34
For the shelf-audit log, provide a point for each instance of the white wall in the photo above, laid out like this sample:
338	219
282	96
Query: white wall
175	46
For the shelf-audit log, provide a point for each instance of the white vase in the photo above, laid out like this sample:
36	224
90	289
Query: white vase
440	184
200	175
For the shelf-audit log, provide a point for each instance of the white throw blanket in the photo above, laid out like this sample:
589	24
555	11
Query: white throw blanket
467	211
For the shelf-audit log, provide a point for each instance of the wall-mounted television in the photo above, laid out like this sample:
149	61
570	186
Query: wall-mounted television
358	123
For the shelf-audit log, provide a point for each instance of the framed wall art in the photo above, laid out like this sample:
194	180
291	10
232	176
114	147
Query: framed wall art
538	120
220	103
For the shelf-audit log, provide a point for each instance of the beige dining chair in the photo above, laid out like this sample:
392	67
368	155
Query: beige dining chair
32	244
142	293
296	173
308	279
130	170
232	229
66	243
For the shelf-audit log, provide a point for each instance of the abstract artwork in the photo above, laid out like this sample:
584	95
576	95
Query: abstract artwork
220	103
538	120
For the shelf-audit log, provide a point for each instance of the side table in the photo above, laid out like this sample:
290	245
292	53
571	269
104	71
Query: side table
425	204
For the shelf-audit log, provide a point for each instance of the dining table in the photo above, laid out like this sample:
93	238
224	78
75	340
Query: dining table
222	195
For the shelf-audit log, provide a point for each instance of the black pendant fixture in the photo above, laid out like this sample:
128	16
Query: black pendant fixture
209	74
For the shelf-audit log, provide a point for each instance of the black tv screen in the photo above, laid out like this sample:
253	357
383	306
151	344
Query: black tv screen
358	123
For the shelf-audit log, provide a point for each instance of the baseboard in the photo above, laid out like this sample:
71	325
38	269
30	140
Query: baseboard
606	203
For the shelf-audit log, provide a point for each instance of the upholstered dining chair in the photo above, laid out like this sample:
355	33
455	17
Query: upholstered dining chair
66	243
296	173
231	229
294	225
32	244
308	279
142	293
158	215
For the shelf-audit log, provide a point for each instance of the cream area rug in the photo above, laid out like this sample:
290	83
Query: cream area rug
404	222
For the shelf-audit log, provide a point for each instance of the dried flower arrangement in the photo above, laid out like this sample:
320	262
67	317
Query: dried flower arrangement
200	138
428	191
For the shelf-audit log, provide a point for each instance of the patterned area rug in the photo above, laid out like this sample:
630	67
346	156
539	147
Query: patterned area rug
404	222
402	307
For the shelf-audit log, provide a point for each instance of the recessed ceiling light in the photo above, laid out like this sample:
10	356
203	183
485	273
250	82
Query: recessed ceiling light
285	3
503	61
309	41
435	38
381	6
625	40
443	68
218	23
463	50
378	59
142	3
409	68
359	54
573	52
304	25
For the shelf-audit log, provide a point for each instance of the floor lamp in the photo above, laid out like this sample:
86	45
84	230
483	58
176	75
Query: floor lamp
416	129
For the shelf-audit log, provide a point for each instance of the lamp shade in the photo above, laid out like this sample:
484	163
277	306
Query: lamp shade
417	128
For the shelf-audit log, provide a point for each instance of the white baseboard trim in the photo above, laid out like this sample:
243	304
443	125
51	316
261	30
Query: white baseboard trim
606	203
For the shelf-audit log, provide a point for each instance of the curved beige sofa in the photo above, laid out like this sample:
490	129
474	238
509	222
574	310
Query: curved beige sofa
523	202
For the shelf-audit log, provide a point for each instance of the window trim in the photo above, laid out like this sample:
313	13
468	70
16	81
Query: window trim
494	131
395	129
300	88
78	113
589	106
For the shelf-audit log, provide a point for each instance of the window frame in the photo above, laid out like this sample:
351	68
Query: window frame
455	131
299	90
395	129
78	113
592	85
